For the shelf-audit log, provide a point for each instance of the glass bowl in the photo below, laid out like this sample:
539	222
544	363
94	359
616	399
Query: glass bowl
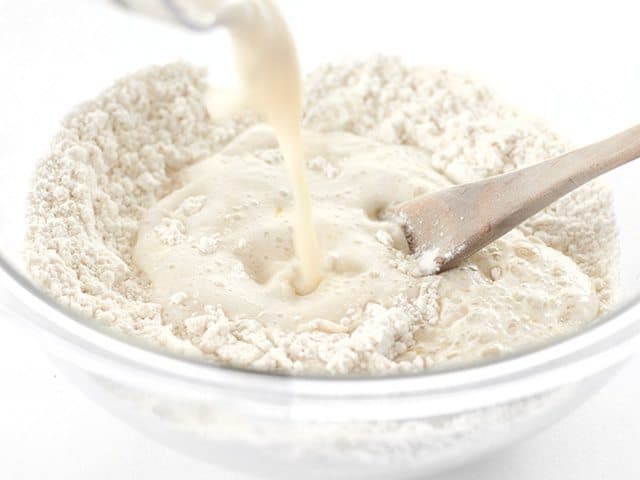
274	425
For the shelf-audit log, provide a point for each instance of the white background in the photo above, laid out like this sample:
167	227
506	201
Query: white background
576	65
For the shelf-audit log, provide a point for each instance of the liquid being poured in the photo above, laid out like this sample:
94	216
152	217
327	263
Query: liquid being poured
267	65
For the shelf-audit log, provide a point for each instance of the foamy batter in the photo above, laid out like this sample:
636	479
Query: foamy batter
225	237
224	240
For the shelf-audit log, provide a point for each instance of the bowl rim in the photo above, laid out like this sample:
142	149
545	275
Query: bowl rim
604	343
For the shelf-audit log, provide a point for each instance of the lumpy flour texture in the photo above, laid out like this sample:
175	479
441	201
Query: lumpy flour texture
165	224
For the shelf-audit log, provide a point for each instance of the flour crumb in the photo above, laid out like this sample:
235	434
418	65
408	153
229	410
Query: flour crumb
171	231
242	244
427	261
322	165
239	271
178	298
209	244
384	238
496	273
191	206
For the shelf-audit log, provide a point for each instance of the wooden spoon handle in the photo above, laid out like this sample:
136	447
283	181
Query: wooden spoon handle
526	191
575	168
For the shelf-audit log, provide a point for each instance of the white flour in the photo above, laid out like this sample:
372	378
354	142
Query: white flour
118	155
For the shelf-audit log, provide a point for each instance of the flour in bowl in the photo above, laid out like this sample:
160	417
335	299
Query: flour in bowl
166	224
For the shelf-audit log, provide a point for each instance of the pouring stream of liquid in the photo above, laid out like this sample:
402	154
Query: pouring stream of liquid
267	65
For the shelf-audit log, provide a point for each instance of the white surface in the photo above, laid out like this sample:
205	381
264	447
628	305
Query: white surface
580	70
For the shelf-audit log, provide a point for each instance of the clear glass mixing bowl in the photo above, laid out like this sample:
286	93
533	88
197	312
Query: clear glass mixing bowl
279	426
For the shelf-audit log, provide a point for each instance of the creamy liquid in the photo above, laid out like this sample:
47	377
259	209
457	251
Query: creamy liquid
267	64
223	238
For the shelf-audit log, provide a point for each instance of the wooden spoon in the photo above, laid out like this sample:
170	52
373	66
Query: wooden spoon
445	227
